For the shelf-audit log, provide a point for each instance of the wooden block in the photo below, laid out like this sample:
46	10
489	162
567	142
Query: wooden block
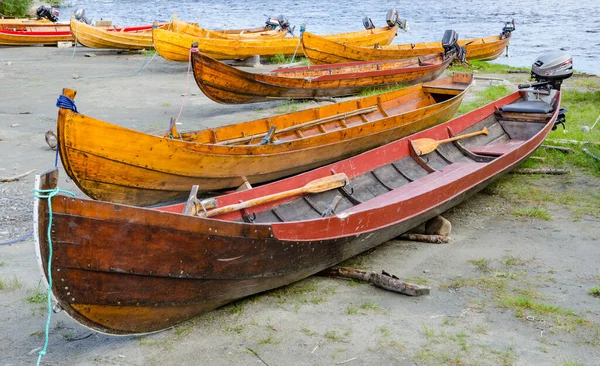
64	44
103	23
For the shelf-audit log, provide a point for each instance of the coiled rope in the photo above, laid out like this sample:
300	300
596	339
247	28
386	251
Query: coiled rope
48	194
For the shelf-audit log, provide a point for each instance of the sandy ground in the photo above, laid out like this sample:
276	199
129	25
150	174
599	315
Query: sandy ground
471	317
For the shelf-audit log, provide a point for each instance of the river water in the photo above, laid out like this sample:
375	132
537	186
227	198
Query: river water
572	26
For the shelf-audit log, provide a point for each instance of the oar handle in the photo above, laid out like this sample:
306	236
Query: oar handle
482	132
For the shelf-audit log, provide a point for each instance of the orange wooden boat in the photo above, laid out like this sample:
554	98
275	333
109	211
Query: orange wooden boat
323	51
153	268
132	38
176	47
28	36
195	30
131	167
225	84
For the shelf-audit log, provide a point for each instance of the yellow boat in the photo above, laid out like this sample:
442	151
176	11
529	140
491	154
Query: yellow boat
176	47
29	36
320	50
129	38
195	30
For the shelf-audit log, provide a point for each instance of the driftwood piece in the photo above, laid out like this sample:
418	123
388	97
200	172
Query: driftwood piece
590	154
383	280
16	177
424	238
566	150
542	171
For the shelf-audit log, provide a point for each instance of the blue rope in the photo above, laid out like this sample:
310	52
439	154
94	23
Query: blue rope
66	103
18	239
48	194
302	29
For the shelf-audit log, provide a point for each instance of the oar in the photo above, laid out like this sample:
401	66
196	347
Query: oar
315	186
426	145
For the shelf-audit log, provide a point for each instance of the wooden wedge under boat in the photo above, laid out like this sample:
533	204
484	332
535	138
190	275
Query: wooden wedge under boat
34	35
226	84
126	38
176	46
125	270
195	30
131	167
326	51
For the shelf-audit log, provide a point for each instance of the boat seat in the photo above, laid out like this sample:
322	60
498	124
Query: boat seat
497	149
528	106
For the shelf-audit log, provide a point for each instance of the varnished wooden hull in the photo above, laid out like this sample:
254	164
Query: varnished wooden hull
127	166
35	36
195	30
322	51
23	23
150	270
132	38
176	47
229	85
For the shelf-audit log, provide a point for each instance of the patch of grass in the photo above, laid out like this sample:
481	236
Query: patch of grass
148	343
2	264
165	104
428	332
417	280
585	83
269	340
509	261
488	284
308	332
289	106
374	91
538	308
333	336
384	331
570	362
37	296
486	68
10	284
295	291
370	305
16	8
484	97
595	291
537	212
352	310
482	264
148	52
238	329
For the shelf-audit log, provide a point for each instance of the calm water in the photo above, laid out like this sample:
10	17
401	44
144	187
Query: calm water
542	25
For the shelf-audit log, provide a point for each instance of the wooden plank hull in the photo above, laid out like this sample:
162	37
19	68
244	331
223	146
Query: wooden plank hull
226	84
322	51
195	30
35	36
23	23
176	47
153	268
127	166
132	38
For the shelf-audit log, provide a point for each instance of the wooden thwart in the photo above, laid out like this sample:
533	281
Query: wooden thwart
383	280
426	145
303	125
315	186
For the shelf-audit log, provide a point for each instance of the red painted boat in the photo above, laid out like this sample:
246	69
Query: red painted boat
123	270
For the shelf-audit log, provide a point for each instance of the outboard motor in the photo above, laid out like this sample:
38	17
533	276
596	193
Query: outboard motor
450	45
48	13
548	71
80	16
508	28
368	23
392	19
271	23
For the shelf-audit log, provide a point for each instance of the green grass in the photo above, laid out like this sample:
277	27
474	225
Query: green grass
482	264
585	83
370	305
352	310
374	91
290	106
283	59
537	212
538	308
10	284
570	362
484	97
308	332
595	291
37	296
333	336
16	8
486	68
269	340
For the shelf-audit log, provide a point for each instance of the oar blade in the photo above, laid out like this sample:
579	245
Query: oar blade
424	146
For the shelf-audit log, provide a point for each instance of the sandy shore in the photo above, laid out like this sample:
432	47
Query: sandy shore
471	317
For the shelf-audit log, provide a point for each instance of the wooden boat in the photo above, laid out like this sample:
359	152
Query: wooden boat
320	50
35	36
153	268
176	47
195	30
225	84
15	24
127	166
133	38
